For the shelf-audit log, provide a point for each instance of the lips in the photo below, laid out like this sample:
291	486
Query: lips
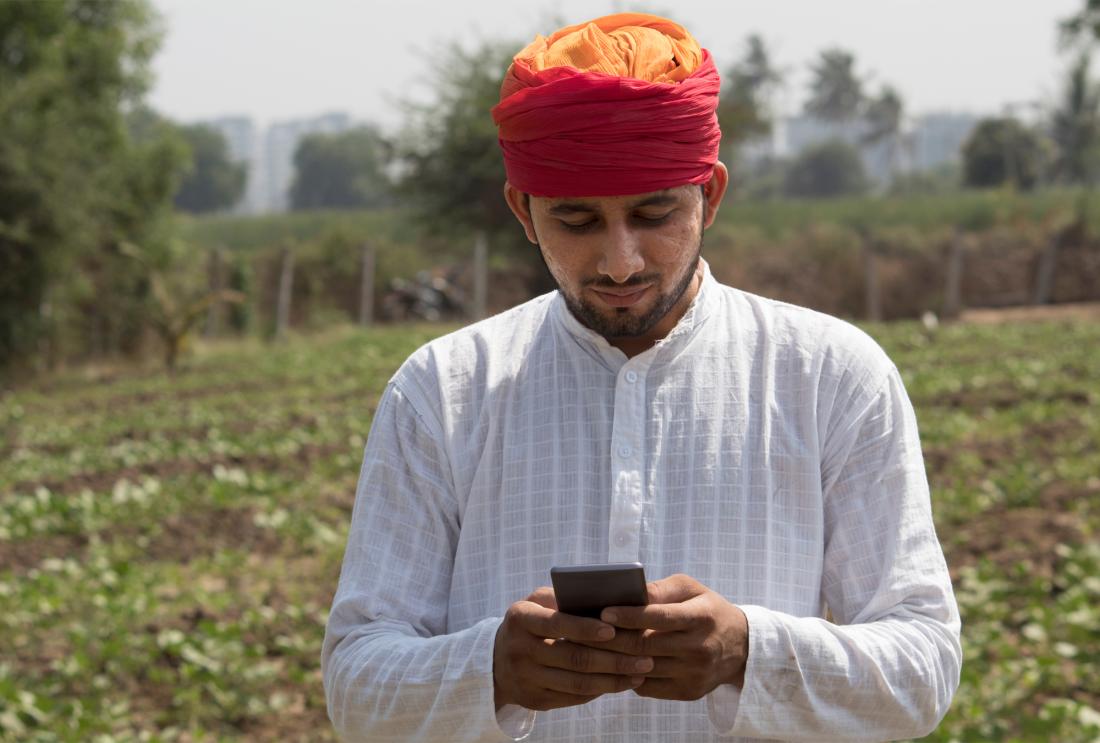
622	297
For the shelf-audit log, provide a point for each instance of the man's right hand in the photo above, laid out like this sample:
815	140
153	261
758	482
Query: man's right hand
535	664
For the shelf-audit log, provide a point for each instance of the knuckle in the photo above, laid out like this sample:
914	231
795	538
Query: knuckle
580	686
580	659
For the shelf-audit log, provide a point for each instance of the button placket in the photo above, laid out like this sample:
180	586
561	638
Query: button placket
627	464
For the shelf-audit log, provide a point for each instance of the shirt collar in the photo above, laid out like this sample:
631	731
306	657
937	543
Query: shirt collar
688	326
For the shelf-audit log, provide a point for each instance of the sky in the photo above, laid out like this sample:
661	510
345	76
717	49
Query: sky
281	59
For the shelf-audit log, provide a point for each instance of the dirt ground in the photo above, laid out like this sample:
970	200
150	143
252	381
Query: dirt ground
1038	313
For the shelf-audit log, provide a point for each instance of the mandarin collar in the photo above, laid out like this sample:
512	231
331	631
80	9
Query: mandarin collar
686	329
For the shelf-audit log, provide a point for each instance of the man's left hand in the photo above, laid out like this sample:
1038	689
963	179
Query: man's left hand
697	639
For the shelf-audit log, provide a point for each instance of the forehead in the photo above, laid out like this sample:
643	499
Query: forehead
566	204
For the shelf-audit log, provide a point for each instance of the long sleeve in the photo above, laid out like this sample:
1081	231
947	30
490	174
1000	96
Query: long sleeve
890	665
391	671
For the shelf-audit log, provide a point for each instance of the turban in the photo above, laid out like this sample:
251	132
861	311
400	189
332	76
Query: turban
624	104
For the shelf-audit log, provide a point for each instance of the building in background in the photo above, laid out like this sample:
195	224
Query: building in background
938	138
270	155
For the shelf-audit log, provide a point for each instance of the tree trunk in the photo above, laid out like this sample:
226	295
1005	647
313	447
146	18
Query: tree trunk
286	285
481	276
366	285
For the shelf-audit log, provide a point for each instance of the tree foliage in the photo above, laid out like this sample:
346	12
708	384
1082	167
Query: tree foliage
1075	126
836	92
1002	151
74	177
342	171
455	171
826	170
744	109
213	181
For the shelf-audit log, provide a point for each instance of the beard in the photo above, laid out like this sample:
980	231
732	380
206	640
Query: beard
621	324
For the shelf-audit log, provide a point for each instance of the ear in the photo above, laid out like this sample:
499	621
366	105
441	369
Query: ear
521	207
715	189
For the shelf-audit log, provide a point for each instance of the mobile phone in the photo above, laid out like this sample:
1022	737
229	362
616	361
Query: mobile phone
585	590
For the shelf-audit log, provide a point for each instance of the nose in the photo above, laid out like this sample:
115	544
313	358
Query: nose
622	256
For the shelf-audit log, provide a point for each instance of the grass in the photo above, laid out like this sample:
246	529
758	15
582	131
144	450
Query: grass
169	546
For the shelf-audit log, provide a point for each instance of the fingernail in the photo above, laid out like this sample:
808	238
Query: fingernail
605	633
643	664
637	680
610	616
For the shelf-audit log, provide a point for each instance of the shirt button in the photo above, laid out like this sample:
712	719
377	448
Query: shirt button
621	539
625	451
632	376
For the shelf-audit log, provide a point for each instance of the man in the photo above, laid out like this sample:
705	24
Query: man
760	459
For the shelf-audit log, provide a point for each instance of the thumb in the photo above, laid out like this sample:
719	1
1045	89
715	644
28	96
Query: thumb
674	589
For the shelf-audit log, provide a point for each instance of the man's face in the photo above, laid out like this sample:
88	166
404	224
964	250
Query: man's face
627	266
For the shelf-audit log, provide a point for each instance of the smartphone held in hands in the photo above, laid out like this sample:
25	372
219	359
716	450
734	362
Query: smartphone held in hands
586	590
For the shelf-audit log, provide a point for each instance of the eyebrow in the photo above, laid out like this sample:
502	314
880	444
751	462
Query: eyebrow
662	198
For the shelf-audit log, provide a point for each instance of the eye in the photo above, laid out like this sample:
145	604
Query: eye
652	220
579	226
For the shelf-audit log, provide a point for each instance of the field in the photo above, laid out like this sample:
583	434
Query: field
169	546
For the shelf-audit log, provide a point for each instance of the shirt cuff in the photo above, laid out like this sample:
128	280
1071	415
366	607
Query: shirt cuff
516	722
723	703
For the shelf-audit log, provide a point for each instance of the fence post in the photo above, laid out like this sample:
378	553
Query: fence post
952	294
212	327
481	275
1048	262
366	285
874	292
286	284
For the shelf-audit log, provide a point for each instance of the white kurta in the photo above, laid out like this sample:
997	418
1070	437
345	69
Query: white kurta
766	450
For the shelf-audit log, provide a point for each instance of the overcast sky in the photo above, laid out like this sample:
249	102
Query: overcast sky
277	59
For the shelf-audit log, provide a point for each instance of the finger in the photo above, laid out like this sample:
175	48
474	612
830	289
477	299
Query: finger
671	668
663	617
544	596
674	589
665	689
570	656
585	684
544	622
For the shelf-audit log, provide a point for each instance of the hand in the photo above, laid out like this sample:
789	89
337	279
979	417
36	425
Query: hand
540	658
696	638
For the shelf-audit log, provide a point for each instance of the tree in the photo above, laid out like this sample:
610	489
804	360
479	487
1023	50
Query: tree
836	93
213	180
744	109
71	178
1002	151
1075	126
1082	27
455	171
342	171
883	117
826	170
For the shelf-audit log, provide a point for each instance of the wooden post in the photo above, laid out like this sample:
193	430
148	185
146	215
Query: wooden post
366	284
874	293
481	275
286	285
213	324
1048	262
952	293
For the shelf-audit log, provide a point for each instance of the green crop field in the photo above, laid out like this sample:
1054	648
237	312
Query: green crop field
169	546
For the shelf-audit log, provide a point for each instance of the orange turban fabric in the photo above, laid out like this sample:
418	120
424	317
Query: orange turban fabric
620	105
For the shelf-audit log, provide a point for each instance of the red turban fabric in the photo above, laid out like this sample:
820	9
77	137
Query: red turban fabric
571	132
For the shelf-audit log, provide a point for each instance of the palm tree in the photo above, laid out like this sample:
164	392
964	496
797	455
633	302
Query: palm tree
883	116
744	111
836	93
